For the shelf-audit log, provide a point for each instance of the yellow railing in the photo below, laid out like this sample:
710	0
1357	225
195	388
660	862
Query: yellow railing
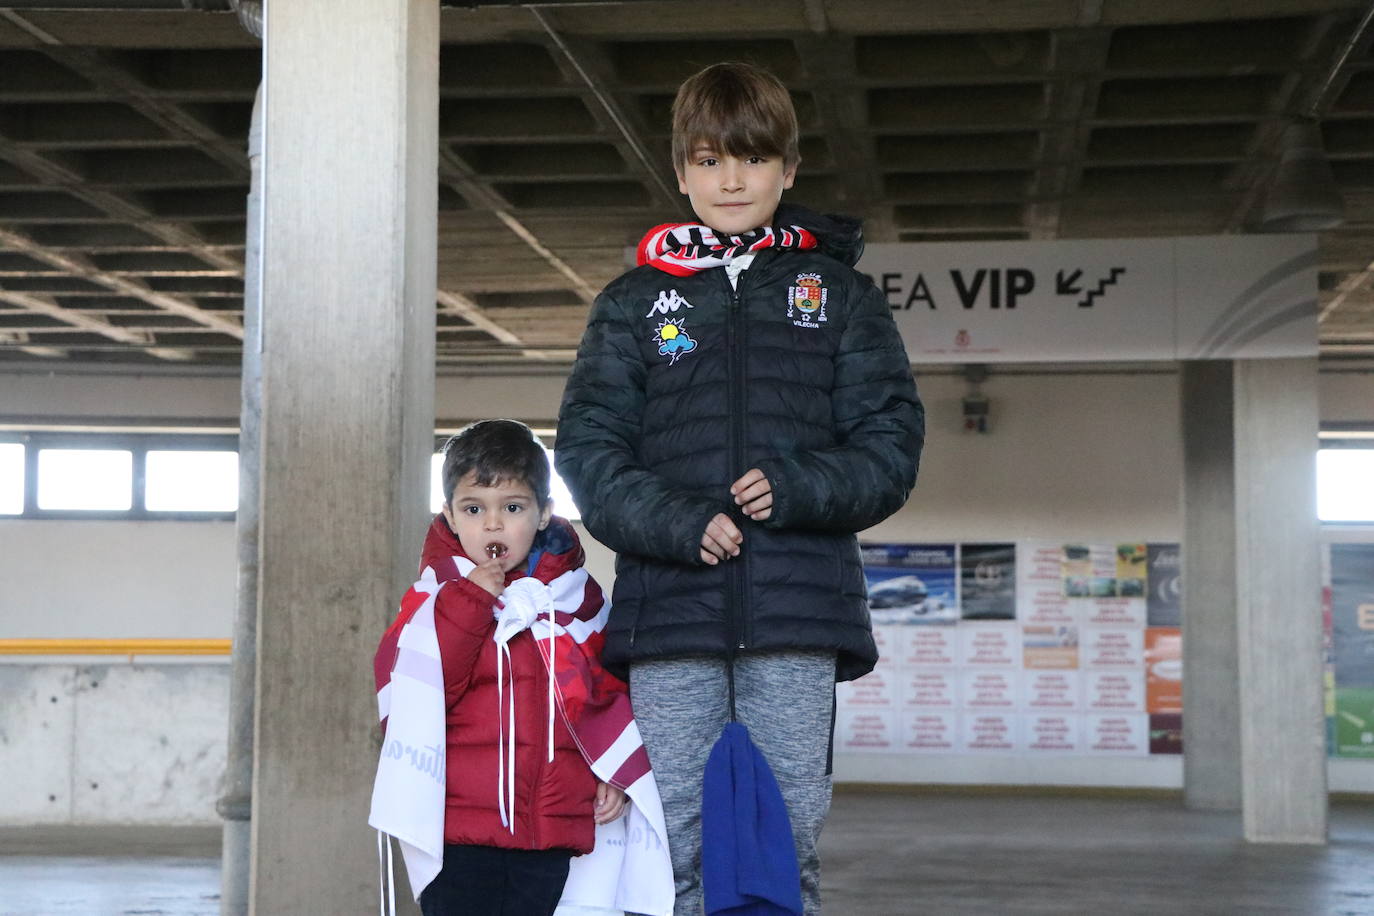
129	647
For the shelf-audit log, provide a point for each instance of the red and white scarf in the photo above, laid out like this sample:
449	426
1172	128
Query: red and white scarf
629	870
683	249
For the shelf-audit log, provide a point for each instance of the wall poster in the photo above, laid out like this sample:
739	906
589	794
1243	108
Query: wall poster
1053	647
1023	648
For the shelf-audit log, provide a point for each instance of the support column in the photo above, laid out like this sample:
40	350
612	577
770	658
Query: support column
1283	736
1211	699
351	131
235	803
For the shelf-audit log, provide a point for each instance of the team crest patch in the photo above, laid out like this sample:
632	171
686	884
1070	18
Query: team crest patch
806	301
673	340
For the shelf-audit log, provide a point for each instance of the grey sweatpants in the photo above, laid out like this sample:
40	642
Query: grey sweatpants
786	700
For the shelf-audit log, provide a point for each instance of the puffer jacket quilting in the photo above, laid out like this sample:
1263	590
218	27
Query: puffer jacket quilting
554	798
681	385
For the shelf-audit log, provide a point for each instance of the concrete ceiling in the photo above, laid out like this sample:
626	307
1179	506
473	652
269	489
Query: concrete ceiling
123	170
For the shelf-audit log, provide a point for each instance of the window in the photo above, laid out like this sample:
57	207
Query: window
146	475
1345	484
11	478
191	481
61	474
562	497
85	479
436	483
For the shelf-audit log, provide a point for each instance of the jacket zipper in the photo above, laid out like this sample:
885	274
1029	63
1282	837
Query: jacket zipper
738	573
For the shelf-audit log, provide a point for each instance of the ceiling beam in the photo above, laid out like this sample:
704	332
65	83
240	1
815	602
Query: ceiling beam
20	341
842	107
55	176
580	61
118	83
465	308
1078	59
80	268
1350	284
462	178
42	305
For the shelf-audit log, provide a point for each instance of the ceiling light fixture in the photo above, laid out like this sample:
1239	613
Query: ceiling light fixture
1303	196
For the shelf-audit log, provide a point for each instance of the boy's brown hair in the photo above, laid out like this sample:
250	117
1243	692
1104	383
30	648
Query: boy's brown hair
495	451
736	109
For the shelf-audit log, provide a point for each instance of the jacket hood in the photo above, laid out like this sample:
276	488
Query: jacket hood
557	549
840	237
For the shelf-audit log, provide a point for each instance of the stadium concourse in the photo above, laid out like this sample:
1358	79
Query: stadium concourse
295	265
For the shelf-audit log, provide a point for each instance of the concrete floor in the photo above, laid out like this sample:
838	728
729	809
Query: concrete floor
109	871
885	854
936	854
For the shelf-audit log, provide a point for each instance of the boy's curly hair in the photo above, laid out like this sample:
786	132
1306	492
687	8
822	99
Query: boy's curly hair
494	451
737	109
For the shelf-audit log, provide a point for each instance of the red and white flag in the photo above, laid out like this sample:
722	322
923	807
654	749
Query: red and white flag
629	870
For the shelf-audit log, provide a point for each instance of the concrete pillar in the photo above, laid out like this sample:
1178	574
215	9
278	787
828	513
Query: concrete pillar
1283	739
1211	673
351	133
235	803
1253	731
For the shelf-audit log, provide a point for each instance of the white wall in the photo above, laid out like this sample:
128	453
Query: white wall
33	394
1081	456
112	579
1347	397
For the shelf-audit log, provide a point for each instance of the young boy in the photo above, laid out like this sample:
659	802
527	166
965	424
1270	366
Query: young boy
514	812
741	405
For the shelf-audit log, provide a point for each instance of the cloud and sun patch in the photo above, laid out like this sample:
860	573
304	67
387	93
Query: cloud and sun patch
672	339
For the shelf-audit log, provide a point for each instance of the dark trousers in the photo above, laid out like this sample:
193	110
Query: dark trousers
486	881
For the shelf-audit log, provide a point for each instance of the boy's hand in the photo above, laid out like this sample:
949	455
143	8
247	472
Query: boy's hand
721	540
753	494
610	803
490	576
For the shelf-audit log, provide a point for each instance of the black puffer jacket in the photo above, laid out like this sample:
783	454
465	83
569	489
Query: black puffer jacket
681	385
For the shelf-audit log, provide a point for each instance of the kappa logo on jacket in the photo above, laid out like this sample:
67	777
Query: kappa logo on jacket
668	301
806	301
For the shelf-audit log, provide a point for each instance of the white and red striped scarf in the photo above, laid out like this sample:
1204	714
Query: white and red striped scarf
629	870
683	249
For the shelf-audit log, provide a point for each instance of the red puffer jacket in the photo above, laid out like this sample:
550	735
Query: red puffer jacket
553	799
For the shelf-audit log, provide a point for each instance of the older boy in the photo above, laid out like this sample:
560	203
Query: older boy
741	405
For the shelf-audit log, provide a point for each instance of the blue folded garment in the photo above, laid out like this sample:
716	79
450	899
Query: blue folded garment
748	856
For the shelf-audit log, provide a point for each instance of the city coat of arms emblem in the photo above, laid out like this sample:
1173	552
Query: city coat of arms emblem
806	301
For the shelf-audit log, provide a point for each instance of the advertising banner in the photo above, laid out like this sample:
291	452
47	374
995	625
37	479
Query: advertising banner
1123	735
1052	691
1053	734
927	732
1163	594
1072	648
1352	622
1166	733
1164	669
1114	691
987	581
1040	586
1101	299
997	648
911	583
1045	646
